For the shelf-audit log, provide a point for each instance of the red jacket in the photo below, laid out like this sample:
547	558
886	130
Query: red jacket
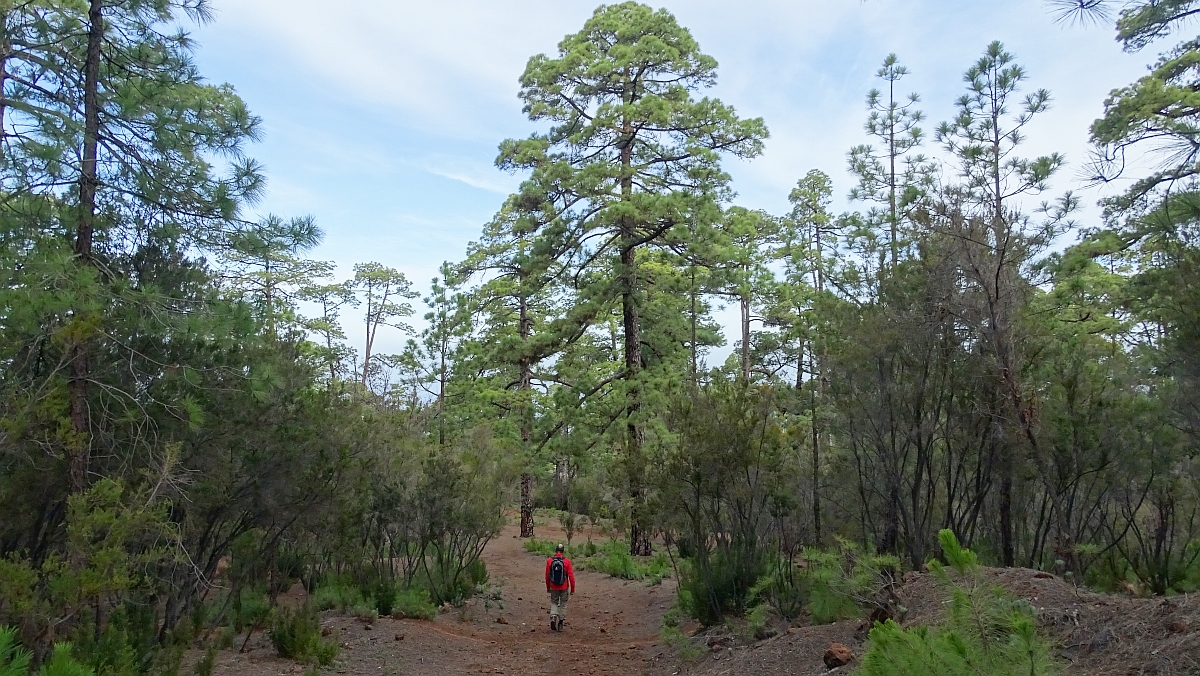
570	583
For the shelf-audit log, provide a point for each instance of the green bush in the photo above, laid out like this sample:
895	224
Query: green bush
543	547
251	608
204	665
297	635
781	588
61	663
337	593
15	660
456	582
986	633
414	603
611	557
832	585
718	584
384	593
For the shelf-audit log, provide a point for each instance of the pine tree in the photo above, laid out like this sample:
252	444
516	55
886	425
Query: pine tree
385	293
105	111
996	239
896	127
627	147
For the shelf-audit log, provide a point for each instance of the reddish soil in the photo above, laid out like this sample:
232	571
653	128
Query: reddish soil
612	628
1092	634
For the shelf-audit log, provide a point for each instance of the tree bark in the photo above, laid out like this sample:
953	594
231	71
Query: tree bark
639	536
745	303
816	471
525	365
89	181
526	505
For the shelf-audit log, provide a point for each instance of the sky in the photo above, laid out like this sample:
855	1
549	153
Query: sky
381	118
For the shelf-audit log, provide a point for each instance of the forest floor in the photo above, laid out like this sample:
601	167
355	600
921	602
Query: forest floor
614	629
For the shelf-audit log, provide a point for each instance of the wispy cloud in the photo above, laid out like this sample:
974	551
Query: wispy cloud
384	116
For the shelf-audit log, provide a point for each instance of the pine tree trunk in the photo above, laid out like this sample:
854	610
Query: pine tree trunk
639	536
526	505
525	366
745	337
695	349
89	182
816	471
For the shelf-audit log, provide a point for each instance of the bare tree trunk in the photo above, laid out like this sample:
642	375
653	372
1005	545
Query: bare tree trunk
745	303
526	505
893	213
692	337
639	536
89	182
525	386
816	470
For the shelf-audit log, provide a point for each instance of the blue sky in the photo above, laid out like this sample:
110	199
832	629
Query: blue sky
381	118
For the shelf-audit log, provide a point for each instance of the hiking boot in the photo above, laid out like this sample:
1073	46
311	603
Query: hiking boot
560	623
554	624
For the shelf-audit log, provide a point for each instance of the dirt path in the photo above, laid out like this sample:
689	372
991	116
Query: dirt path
612	629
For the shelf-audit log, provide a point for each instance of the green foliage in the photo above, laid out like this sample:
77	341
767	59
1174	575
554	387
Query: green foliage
379	596
718	587
831	585
296	634
250	609
781	588
610	557
415	603
986	631
206	664
681	644
14	660
336	592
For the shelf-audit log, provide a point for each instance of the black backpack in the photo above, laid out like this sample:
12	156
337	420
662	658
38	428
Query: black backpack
558	571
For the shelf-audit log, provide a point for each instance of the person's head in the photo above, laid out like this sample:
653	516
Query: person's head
559	548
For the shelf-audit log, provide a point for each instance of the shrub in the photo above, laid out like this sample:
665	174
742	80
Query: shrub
414	603
712	586
384	593
781	588
337	593
987	632
544	547
297	635
14	660
455	581
610	557
251	608
204	665
61	663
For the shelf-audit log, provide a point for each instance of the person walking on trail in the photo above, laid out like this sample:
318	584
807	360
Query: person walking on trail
560	582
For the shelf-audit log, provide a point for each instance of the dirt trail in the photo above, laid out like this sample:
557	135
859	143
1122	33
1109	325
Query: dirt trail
612	629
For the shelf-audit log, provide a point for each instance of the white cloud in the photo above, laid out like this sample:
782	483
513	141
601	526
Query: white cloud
374	90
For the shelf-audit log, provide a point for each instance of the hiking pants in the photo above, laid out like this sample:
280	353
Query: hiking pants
558	602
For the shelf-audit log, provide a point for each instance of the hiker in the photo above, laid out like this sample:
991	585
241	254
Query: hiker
560	582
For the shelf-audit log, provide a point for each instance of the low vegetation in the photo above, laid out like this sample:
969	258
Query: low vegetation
986	632
610	557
